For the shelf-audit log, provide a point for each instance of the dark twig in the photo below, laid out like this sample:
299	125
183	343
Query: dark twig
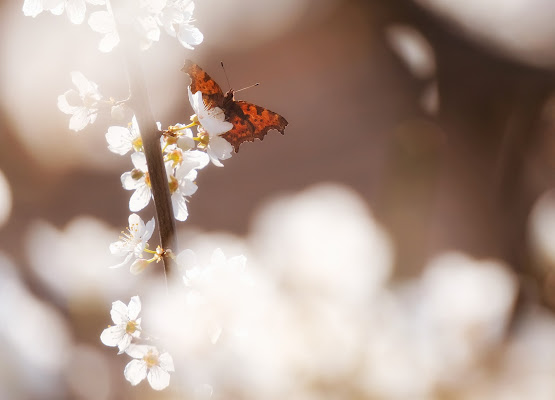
153	152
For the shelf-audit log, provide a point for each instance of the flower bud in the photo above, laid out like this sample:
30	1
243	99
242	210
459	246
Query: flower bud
138	266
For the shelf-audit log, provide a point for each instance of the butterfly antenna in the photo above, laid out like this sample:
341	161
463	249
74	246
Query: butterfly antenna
225	73
248	87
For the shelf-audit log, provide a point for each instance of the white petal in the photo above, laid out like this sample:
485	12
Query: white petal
112	335
189	8
179	207
140	198
102	22
129	183
195	100
136	223
194	159
134	307
119	140
135	371
189	36
188	187
149	229
124	343
84	86
96	2
124	262
119	313
215	126
166	362
186	142
108	42
76	10
32	8
139	161
56	7
80	119
139	350
119	248
158	378
63	103
219	149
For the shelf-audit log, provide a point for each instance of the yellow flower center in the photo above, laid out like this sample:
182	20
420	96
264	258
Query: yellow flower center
138	144
203	140
176	156
151	359
131	327
173	183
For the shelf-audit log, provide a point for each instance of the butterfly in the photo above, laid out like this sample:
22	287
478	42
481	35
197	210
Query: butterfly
249	120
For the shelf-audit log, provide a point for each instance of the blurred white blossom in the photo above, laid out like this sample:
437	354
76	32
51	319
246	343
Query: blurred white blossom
177	18
76	9
70	262
413	49
36	336
146	17
82	104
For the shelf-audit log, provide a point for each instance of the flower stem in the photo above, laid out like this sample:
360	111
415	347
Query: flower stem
153	152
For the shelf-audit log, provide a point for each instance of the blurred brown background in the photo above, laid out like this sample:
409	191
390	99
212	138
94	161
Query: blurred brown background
439	115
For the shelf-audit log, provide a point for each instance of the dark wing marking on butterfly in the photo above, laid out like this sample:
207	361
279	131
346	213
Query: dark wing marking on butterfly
211	92
251	122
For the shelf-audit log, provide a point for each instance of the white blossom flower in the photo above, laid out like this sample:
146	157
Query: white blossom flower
182	184
212	119
127	325
176	19
81	104
146	17
132	244
212	124
149	363
121	140
215	146
76	9
139	181
210	286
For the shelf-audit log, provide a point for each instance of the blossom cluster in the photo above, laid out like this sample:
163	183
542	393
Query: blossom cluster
146	17
184	155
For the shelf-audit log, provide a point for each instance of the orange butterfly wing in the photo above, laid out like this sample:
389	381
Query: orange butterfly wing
251	122
211	92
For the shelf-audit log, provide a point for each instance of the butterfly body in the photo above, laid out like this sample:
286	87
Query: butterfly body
249	120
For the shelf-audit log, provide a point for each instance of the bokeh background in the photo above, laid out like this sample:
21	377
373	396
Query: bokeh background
402	230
